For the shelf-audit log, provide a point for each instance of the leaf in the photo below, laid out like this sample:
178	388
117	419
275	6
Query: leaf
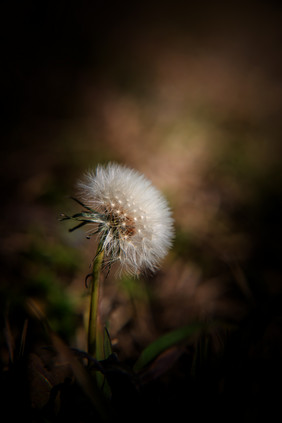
81	375
105	353
9	339
67	356
44	373
166	341
107	344
161	364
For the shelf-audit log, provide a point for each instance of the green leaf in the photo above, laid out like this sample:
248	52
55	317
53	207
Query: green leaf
107	344
103	351
166	341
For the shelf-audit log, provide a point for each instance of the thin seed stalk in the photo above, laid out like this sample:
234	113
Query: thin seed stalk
95	329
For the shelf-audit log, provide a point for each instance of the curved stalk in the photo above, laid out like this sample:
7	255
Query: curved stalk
95	329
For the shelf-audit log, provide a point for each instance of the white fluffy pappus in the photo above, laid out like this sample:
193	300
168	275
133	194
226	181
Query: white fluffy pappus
134	220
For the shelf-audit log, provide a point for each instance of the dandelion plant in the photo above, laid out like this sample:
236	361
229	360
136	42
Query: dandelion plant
133	223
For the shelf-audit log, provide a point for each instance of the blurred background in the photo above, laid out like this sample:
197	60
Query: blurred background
188	93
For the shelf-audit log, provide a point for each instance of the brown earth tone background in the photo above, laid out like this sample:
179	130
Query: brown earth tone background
190	94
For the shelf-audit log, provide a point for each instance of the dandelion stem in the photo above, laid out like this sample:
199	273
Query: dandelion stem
95	329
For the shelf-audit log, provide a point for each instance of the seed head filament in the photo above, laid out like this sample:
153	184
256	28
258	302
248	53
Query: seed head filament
122	225
132	220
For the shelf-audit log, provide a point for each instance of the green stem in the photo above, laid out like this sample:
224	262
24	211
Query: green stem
95	329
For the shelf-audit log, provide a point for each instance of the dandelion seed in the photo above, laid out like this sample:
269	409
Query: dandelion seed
131	217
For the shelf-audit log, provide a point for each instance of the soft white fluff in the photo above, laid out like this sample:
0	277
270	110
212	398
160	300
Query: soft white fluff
138	228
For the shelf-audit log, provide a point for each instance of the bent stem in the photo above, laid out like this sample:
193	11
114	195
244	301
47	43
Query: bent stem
95	329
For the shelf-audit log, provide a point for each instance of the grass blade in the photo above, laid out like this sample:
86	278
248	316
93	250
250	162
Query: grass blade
166	341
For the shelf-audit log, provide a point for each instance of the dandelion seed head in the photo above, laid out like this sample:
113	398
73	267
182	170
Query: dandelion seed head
138	228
